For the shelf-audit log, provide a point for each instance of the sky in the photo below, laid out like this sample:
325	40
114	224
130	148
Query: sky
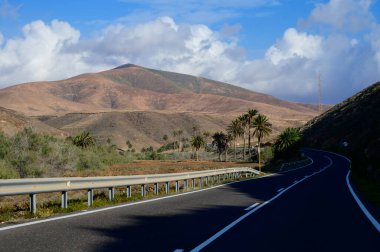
277	47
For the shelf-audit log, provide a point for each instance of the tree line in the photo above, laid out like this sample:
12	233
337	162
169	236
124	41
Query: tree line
251	124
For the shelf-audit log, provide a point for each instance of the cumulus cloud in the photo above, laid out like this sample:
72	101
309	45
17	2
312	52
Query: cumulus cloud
343	15
40	54
295	44
54	51
289	69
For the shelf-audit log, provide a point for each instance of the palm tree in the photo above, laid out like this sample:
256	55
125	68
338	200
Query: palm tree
219	140
235	129
244	121
262	128
175	134
196	129
287	139
251	113
197	142
196	132
179	134
84	140
227	141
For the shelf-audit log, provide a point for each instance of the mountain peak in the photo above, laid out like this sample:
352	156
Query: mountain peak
127	66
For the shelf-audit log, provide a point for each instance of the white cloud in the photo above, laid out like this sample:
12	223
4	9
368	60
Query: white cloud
292	65
343	15
288	70
295	44
40	54
47	52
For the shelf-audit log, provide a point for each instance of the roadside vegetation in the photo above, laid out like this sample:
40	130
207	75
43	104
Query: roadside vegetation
30	154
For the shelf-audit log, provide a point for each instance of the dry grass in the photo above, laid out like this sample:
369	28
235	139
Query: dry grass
140	167
16	208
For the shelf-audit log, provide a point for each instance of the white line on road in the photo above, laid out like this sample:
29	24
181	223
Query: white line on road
252	206
312	161
363	208
85	212
179	250
231	225
279	190
361	205
295	181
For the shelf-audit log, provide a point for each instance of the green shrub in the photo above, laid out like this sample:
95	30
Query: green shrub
7	171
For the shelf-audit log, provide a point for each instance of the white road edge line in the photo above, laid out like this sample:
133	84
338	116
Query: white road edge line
361	205
358	201
279	190
252	206
86	212
178	250
225	229
312	162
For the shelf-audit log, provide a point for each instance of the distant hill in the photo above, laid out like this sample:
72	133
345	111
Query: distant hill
355	121
134	88
11	122
95	101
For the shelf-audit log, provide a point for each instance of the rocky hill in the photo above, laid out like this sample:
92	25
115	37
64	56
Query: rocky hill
353	128
110	103
11	122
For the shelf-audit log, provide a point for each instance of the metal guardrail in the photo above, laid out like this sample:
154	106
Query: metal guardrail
10	187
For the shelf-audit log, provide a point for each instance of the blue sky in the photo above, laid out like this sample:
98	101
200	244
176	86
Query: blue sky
277	47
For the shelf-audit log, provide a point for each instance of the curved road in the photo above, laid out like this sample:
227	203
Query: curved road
308	209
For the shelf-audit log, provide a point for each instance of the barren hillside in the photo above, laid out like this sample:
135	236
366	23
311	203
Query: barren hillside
140	104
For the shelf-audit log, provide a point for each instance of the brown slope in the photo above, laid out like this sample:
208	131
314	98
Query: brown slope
145	128
11	122
136	88
100	100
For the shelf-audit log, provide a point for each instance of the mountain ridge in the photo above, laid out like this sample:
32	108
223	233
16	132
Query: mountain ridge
121	93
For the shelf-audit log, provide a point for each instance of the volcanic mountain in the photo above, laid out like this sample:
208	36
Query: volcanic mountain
11	122
351	127
141	104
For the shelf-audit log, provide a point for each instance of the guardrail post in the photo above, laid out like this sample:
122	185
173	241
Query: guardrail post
176	186
167	187
219	179
212	180
155	188
200	182
111	193
193	183
64	199
129	192
207	181
90	197
32	203
142	190
185	185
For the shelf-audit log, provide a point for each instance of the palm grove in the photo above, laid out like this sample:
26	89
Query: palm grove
31	154
245	128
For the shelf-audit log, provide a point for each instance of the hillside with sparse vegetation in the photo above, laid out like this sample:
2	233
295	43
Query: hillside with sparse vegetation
353	129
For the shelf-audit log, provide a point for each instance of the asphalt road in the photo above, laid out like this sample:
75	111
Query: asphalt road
308	209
